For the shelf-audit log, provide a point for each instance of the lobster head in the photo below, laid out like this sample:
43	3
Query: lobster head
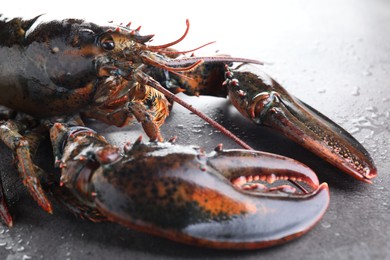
125	50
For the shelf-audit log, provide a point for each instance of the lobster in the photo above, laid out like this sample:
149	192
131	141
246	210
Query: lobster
63	72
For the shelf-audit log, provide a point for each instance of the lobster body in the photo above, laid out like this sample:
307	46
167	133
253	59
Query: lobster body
63	68
54	73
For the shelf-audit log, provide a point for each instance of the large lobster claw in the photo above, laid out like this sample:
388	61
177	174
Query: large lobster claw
264	101
235	199
182	194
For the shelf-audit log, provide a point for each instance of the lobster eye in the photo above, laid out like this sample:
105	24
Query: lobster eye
107	44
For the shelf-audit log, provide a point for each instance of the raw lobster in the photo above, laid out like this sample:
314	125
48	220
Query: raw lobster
62	71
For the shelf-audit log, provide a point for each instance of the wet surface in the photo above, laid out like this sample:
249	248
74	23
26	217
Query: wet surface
334	55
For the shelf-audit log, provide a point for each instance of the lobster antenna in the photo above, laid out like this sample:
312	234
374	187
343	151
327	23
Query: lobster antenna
209	59
153	83
159	47
172	69
184	52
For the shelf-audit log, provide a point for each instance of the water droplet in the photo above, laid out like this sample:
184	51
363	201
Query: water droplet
367	123
26	257
180	126
326	225
372	109
3	243
20	249
356	92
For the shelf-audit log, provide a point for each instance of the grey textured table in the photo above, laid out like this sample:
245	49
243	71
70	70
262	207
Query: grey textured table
334	55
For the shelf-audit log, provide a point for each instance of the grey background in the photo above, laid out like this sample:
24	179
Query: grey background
334	55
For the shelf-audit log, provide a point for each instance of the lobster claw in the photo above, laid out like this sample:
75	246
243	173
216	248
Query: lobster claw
218	200
265	102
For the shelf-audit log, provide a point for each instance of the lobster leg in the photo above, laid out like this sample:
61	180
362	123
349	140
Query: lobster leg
4	212
127	113
146	119
183	194
9	134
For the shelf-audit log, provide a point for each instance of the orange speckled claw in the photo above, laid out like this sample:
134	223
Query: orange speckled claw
234	199
185	195
265	102
323	137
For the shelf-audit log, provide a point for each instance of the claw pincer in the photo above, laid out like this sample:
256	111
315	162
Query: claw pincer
183	194
265	102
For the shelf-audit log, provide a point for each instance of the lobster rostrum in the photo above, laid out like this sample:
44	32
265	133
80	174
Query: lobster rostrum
241	199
